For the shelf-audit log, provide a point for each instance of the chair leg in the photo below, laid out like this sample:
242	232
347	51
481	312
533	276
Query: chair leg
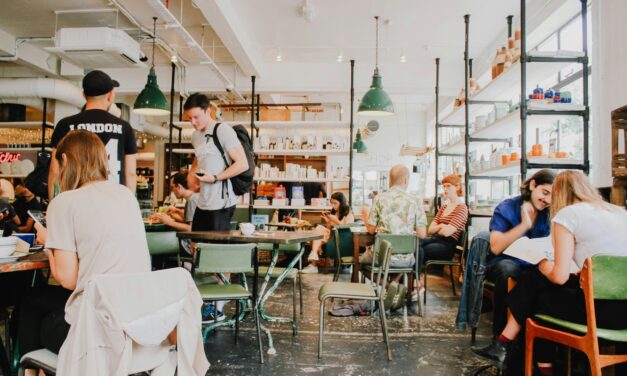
300	293
384	328
425	283
294	300
529	337
473	335
237	303
256	314
321	330
452	279
336	275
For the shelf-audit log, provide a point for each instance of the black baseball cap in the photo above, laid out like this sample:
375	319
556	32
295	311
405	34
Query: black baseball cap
97	83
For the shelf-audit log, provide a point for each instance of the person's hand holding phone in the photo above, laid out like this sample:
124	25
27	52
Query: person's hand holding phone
42	234
204	177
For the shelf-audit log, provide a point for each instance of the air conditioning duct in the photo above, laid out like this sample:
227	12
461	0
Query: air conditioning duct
97	47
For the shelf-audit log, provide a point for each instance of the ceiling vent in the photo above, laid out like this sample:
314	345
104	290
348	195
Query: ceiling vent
97	47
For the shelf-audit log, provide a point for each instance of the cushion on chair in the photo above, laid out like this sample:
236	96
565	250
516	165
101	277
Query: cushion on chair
616	335
223	292
42	358
276	272
346	289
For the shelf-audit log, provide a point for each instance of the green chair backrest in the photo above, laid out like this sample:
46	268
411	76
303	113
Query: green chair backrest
382	255
224	258
294	247
345	236
609	275
401	244
163	243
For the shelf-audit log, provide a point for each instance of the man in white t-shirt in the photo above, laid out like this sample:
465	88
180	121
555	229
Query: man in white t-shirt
216	200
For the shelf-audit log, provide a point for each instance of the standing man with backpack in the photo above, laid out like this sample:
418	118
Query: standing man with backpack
219	166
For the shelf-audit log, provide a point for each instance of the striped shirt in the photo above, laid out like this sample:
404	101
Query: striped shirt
457	218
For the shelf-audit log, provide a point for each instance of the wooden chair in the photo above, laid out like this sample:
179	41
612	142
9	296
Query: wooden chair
602	277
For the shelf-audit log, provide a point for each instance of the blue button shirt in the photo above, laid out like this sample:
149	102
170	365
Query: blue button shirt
507	216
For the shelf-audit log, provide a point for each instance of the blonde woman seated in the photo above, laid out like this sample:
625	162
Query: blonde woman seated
446	228
94	227
340	215
582	226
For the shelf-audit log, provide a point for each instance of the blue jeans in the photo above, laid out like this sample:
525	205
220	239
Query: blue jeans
472	288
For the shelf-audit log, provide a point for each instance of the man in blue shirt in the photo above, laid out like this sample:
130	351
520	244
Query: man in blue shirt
524	215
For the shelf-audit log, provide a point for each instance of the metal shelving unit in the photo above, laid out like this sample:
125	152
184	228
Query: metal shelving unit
525	58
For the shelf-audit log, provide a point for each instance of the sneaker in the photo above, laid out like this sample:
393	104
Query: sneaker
209	314
309	269
313	256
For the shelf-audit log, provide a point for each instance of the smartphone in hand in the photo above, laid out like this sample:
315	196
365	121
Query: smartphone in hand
38	216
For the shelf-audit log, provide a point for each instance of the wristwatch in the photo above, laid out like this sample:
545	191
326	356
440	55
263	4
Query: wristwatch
215	177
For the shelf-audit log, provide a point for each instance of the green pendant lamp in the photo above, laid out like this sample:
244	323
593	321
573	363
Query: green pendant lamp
359	144
151	100
376	102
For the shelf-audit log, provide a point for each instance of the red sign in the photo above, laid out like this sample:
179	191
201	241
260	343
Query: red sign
6	156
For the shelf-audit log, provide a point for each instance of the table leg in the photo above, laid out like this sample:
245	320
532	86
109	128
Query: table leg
355	274
274	286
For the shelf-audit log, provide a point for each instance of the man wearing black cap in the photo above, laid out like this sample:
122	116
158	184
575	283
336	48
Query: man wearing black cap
115	133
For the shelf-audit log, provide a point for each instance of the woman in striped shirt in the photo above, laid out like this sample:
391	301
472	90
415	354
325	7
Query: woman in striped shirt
446	228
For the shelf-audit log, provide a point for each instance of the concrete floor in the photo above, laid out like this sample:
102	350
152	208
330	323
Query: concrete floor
354	345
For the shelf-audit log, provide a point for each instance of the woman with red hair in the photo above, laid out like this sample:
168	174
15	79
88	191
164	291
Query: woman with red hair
448	225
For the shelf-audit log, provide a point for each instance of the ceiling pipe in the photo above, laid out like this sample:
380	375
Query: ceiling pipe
173	23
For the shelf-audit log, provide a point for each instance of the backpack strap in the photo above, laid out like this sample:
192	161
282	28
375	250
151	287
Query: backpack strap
216	142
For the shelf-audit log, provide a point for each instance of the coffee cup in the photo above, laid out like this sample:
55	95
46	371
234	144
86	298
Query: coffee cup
246	228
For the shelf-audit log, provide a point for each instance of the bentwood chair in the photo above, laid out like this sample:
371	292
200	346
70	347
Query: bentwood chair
602	277
457	260
360	291
227	258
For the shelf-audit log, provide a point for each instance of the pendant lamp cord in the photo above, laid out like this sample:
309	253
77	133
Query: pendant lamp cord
154	38
376	53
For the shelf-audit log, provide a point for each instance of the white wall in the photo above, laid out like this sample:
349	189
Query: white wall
609	80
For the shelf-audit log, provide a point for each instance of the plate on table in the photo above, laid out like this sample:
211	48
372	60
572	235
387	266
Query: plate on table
4	260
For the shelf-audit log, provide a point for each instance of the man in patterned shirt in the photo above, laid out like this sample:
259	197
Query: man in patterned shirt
397	212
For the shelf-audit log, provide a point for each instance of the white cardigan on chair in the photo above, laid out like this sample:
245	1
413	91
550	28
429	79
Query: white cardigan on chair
123	322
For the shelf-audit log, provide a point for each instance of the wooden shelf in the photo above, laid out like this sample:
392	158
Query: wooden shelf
302	152
506	127
23	124
303	180
280	124
513	168
13	176
504	87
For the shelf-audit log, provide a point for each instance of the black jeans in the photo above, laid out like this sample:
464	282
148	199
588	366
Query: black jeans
42	319
437	248
534	293
498	272
213	220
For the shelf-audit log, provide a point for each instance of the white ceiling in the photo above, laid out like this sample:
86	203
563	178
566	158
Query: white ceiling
256	31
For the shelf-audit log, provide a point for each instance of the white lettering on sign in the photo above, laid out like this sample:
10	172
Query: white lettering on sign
6	156
98	127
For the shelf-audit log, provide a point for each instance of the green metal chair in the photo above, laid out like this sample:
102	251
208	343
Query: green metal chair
401	245
603	278
228	258
293	275
461	248
162	244
340	247
360	291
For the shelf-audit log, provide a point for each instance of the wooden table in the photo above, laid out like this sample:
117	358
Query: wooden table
290	226
276	238
29	262
361	238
